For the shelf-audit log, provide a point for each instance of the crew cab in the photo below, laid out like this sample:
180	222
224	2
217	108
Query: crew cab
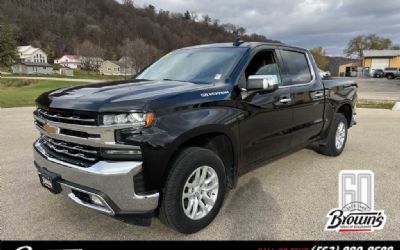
172	140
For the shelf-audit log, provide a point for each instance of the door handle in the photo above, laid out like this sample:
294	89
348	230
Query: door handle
285	100
318	94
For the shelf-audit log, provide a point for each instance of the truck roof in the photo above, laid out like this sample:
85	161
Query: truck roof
244	44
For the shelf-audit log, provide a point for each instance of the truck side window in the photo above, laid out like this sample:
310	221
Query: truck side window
295	69
263	63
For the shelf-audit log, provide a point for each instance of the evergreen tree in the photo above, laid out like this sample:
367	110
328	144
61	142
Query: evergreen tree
8	45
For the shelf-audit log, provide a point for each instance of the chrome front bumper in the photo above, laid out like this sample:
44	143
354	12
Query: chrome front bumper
111	182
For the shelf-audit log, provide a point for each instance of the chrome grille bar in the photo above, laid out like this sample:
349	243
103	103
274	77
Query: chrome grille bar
47	115
66	151
64	145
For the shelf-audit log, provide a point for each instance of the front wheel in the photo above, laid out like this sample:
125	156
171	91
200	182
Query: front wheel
194	190
337	136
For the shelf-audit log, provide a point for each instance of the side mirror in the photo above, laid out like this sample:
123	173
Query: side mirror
262	82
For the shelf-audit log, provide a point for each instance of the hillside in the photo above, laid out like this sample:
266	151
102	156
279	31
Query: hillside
110	29
334	62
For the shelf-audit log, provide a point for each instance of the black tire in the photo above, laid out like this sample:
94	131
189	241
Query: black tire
171	210
330	148
390	76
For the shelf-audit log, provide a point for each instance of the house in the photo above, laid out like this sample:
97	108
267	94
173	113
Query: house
91	63
381	59
31	54
70	61
65	71
116	68
350	69
26	67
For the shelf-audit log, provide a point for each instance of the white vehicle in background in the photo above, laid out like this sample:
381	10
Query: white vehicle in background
392	73
324	74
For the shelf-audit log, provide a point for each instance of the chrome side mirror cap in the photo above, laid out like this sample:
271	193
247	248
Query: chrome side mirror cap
262	82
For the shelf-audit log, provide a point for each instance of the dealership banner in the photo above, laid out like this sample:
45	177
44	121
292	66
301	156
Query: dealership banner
248	245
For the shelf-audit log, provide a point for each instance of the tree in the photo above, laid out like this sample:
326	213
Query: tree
319	55
8	45
187	15
358	44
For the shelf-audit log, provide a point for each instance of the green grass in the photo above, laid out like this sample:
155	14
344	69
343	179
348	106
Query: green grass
96	76
372	104
22	93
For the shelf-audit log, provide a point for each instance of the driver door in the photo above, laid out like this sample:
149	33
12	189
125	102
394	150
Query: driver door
265	131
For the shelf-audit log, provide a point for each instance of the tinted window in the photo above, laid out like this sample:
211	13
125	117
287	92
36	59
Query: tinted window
295	69
263	63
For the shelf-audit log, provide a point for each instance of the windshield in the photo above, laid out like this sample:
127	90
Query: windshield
203	65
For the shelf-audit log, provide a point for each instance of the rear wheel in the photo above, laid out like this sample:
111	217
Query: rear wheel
390	76
337	136
194	190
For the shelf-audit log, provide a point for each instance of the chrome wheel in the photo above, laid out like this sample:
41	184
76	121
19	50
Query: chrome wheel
200	192
340	135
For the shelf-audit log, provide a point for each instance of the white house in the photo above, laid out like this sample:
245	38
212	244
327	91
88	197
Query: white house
69	61
116	68
31	54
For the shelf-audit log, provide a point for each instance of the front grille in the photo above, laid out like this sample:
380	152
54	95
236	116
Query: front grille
68	117
71	152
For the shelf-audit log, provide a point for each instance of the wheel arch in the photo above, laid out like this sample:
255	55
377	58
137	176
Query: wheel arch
216	138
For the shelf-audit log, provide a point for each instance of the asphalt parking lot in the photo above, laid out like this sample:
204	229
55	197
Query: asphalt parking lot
287	199
377	88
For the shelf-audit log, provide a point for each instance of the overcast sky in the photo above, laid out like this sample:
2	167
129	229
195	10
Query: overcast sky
305	23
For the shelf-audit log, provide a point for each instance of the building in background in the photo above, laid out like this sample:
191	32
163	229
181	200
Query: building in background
29	68
69	61
65	71
351	70
381	59
31	54
116	68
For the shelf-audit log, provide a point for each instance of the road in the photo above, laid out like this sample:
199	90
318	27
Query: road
287	199
53	79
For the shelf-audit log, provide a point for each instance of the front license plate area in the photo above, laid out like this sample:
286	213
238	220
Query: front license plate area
50	181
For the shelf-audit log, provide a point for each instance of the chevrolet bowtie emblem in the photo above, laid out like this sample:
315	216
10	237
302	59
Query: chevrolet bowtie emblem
50	129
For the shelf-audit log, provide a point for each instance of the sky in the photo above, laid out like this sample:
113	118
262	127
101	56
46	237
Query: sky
304	23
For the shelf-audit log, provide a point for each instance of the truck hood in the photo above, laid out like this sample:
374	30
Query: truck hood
127	95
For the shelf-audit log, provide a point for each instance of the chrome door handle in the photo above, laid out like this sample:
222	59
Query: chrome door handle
285	100
318	94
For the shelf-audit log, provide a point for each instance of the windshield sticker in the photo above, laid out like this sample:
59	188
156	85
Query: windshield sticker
214	93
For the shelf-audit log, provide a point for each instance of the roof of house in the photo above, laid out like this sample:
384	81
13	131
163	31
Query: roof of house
381	53
72	56
27	50
121	64
39	64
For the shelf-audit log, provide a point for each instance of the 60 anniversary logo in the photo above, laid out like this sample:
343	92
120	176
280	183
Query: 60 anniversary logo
356	204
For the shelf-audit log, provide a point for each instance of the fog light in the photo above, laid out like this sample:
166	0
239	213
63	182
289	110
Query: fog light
96	200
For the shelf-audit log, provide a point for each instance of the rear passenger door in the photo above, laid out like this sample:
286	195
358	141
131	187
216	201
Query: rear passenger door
306	95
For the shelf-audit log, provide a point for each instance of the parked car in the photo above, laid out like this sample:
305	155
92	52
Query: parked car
378	73
324	74
175	138
392	73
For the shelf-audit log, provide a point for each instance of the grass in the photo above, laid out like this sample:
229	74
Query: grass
375	104
22	93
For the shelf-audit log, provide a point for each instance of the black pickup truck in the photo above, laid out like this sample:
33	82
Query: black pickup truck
172	140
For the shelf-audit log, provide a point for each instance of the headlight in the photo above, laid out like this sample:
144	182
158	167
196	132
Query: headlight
136	119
